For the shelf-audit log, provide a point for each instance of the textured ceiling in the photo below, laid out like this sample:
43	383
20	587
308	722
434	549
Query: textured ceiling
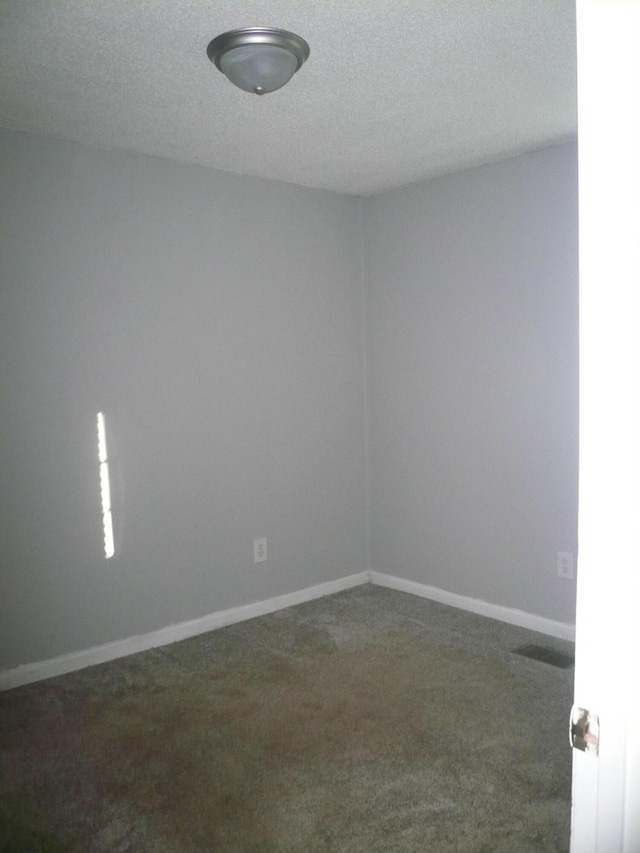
395	91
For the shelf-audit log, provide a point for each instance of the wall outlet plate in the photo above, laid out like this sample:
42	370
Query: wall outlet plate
565	565
260	550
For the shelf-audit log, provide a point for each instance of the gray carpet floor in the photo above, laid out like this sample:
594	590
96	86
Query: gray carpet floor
369	720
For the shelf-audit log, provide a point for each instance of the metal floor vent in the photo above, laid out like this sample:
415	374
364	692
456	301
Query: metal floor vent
549	656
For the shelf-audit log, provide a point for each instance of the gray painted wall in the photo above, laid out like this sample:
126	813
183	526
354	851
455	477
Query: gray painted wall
472	380
217	321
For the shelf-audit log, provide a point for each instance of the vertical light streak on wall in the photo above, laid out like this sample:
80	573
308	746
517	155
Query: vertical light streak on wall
105	489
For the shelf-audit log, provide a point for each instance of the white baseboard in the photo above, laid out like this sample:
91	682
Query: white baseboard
173	633
170	634
521	618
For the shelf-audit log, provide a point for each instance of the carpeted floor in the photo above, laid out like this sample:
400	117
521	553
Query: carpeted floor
369	720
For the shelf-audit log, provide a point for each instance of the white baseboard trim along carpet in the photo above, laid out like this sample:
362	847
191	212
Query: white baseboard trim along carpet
520	618
170	634
32	672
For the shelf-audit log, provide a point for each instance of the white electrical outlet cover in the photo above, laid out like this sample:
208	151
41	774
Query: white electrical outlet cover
565	565
259	550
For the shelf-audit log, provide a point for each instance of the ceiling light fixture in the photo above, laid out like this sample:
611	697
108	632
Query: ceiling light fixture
258	59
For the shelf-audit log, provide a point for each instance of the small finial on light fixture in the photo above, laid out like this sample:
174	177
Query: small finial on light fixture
258	59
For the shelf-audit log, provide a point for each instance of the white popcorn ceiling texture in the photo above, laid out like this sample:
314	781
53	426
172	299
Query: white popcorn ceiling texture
394	92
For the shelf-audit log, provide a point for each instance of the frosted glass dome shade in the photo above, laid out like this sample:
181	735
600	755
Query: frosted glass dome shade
259	68
258	59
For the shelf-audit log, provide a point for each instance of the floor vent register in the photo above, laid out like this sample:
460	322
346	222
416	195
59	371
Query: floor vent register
544	655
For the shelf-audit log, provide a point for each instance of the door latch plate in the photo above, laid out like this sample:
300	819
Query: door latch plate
584	730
